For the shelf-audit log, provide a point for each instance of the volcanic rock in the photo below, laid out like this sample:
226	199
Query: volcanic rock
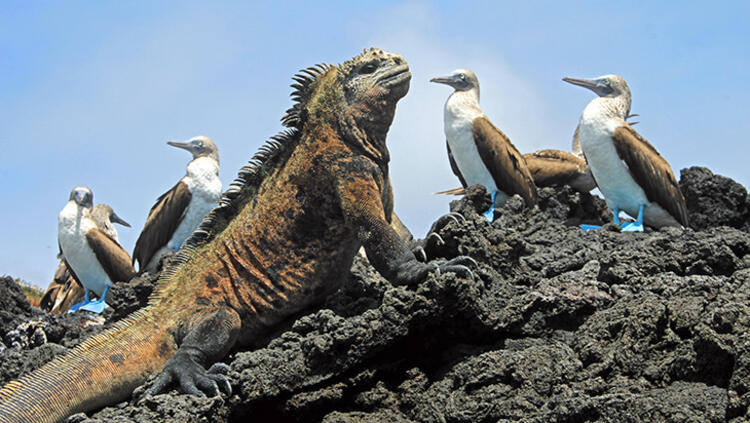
558	325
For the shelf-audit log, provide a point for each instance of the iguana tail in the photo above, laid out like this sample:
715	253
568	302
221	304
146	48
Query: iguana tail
103	370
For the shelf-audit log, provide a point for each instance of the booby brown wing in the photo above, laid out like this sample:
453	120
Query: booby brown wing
554	167
454	166
506	165
55	287
70	293
651	172
113	258
161	223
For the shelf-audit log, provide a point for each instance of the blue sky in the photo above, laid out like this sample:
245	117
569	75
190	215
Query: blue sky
91	91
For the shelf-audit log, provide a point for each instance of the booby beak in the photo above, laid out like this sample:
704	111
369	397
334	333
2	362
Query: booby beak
447	80
591	84
182	145
116	219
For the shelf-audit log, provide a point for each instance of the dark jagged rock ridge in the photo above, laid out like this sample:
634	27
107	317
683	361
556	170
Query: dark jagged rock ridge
714	200
560	325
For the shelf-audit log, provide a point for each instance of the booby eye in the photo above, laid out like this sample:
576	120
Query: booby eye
607	83
368	68
462	77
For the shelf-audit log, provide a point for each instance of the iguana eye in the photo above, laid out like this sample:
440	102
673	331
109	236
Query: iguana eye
368	68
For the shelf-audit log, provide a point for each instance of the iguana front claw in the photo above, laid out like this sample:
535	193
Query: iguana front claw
192	378
419	252
436	237
433	239
445	219
460	266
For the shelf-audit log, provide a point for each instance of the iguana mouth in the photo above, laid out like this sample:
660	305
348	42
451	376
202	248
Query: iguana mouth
397	76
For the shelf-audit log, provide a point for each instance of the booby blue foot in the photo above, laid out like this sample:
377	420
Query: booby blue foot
490	214
590	227
76	306
615	212
636	226
97	306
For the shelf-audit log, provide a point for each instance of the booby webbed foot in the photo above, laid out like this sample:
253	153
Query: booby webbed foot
85	301
590	227
636	226
632	227
490	214
192	378
615	216
97	306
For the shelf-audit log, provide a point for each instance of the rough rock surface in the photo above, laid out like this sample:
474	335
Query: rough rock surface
560	325
714	200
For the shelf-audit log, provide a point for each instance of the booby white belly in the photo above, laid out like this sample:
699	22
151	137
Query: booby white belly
460	136
613	177
205	189
78	254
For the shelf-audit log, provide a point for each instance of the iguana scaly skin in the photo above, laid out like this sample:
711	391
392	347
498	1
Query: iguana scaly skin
283	237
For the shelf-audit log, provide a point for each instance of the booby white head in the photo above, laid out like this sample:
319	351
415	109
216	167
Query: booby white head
180	210
82	196
105	217
614	94
480	153
628	170
200	146
462	80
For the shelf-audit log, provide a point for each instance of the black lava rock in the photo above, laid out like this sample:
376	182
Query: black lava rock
714	200
558	325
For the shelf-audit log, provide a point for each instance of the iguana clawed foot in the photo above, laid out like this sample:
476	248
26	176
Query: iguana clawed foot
458	265
446	219
412	272
433	239
192	378
418	251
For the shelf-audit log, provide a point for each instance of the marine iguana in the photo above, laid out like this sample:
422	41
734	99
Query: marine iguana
283	236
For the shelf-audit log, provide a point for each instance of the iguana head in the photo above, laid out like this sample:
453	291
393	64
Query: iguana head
358	97
374	77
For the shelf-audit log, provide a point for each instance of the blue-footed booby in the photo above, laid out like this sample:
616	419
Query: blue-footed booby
64	290
180	210
628	170
479	153
93	257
